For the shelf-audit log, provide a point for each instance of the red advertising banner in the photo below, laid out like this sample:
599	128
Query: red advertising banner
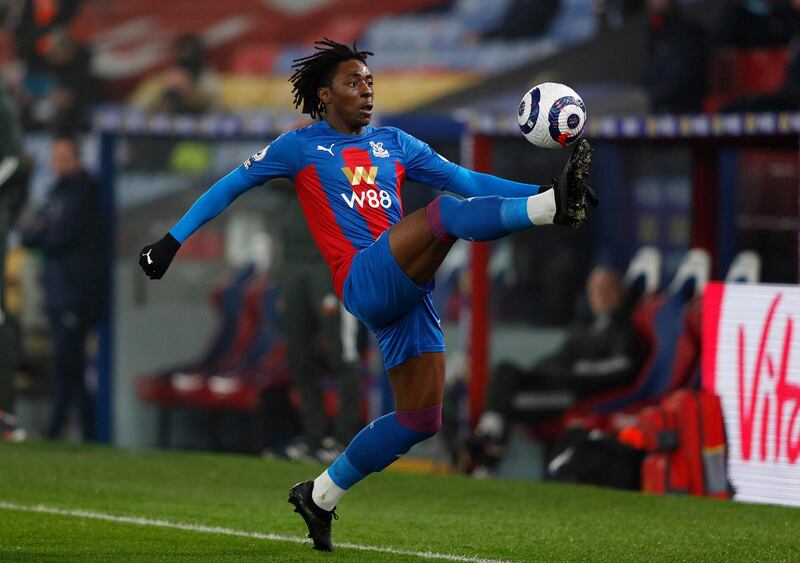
751	359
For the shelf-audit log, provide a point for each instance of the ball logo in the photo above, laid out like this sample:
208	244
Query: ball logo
573	120
526	124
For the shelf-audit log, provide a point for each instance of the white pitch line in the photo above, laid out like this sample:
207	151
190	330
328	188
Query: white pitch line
141	521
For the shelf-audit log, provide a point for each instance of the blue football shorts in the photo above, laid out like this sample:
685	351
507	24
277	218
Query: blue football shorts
399	312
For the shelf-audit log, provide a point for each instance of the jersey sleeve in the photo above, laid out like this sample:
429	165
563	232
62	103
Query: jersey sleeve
279	159
276	160
425	165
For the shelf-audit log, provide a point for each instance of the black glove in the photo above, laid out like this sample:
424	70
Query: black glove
155	258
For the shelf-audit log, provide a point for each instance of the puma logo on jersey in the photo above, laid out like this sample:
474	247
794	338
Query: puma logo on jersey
360	173
329	149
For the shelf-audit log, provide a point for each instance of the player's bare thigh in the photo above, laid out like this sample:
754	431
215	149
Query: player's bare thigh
418	253
418	383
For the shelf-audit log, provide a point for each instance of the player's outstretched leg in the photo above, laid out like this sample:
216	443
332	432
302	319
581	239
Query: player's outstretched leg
489	218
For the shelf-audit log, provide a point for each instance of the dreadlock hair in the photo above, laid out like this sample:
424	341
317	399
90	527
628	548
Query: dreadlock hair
317	70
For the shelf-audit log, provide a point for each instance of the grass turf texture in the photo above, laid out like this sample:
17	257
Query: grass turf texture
442	514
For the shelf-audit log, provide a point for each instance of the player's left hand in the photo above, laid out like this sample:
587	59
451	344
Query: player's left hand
155	258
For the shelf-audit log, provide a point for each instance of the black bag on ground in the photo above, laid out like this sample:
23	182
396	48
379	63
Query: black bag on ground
594	458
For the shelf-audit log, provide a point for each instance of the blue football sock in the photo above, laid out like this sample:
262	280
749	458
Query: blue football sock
477	218
374	448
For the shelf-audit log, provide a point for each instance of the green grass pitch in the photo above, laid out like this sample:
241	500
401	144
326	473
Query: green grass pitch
99	504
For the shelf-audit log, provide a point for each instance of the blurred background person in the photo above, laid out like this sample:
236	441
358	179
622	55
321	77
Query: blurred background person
757	23
676	65
13	181
75	87
599	353
68	230
33	22
524	19
770	25
613	14
187	85
39	27
320	339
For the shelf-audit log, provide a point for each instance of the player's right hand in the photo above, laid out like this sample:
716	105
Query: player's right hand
155	258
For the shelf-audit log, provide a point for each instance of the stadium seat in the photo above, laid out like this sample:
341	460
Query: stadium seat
264	364
228	301
735	73
191	387
643	279
254	58
745	268
643	276
672	349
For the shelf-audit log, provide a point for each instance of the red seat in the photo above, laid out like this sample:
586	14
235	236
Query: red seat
192	388
158	388
735	73
254	58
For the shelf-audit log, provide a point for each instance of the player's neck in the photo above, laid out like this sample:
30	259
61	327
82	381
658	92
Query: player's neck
338	125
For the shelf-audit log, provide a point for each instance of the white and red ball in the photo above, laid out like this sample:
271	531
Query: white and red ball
551	115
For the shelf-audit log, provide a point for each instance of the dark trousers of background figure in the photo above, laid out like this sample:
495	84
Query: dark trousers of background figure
68	338
7	349
320	343
547	394
554	393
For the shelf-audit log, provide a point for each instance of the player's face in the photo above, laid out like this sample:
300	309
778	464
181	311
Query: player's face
349	97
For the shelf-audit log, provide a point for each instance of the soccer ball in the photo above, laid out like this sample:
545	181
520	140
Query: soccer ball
551	115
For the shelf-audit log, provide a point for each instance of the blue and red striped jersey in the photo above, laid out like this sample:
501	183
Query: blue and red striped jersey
349	185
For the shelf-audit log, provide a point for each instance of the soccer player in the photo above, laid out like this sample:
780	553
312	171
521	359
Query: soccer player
348	176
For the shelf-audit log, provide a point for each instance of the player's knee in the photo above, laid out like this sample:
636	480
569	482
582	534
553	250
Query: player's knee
439	213
426	421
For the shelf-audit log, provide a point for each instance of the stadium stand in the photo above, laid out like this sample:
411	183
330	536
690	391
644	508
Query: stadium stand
736	73
411	39
244	368
245	358
228	302
683	430
672	350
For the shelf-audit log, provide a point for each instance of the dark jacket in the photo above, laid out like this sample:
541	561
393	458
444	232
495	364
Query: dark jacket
69	231
597	355
676	71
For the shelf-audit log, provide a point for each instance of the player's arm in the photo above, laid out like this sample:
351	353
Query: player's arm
429	167
155	258
274	161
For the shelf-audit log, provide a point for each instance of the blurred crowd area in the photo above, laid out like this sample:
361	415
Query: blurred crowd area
223	309
63	57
